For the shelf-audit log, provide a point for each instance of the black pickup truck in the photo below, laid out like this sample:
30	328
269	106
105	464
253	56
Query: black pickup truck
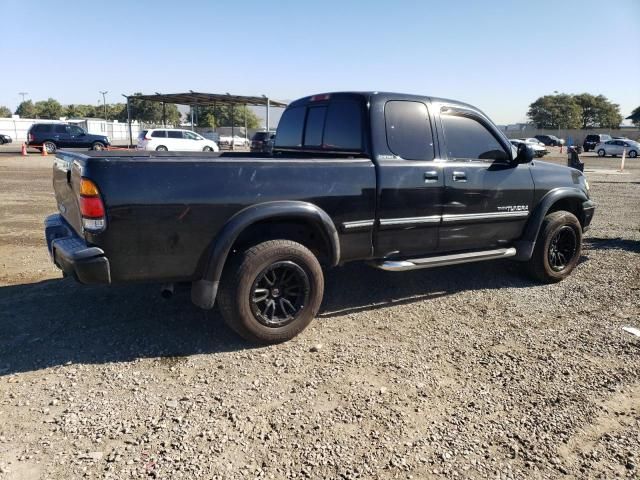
400	181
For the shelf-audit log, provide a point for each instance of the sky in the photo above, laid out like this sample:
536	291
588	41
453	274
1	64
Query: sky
497	55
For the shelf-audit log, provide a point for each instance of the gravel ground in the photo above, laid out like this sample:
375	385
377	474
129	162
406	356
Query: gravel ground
470	371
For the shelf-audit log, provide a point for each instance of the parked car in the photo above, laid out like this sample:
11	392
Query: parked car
550	140
5	139
64	135
175	140
538	149
238	141
532	141
616	147
262	142
590	141
400	181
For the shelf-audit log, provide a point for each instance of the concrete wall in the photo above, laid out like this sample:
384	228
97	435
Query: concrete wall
577	136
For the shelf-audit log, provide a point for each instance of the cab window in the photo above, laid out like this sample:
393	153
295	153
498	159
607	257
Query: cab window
467	138
408	130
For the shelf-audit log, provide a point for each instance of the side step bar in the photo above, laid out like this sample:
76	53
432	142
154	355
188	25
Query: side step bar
430	262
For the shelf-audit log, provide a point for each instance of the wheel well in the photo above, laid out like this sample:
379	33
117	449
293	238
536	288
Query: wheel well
304	232
573	205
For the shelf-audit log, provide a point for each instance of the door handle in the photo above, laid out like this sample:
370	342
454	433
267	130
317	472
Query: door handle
430	176
459	176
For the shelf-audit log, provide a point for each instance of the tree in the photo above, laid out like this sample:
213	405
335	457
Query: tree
4	112
598	111
26	109
150	112
635	116
221	116
555	111
49	108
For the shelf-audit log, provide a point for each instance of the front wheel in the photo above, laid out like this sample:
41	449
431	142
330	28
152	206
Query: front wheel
97	146
633	154
271	291
207	149
558	247
50	147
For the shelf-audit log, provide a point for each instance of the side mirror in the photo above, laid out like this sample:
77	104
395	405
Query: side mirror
525	154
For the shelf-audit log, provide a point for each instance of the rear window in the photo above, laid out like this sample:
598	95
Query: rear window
408	130
159	133
261	136
41	127
593	138
343	128
290	128
315	126
142	134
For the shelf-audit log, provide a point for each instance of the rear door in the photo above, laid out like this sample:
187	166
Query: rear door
410	181
176	141
487	197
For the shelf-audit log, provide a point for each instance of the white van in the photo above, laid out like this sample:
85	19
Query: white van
175	140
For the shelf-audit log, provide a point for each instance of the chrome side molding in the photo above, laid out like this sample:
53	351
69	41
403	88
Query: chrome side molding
442	260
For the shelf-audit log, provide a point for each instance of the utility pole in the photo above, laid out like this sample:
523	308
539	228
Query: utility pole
23	94
104	104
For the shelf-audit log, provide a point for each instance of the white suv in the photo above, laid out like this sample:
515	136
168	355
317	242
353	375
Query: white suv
176	140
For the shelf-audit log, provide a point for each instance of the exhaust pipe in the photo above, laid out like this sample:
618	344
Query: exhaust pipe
166	291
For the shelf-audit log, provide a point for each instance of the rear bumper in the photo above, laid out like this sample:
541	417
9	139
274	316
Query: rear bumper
72	255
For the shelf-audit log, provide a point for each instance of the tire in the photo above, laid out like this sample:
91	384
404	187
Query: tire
601	152
558	247
161	148
50	146
257	273
207	149
97	146
633	154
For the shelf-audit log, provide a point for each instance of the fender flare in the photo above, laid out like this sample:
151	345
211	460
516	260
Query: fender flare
204	291
527	241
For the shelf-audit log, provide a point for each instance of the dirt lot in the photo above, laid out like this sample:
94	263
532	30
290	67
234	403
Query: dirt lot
470	371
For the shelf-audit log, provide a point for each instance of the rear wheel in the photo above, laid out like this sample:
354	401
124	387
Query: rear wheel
272	291
601	152
161	148
97	146
50	146
558	247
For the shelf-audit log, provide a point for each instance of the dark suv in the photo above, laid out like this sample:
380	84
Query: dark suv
591	141
63	135
262	142
549	140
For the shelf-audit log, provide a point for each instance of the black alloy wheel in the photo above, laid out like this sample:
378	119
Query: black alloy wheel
562	248
280	293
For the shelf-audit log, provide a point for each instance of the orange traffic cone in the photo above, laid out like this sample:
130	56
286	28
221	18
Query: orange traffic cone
24	149
44	150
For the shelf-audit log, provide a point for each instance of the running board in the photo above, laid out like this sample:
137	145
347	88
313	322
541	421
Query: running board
440	261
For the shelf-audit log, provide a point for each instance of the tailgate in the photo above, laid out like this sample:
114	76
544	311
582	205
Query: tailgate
66	181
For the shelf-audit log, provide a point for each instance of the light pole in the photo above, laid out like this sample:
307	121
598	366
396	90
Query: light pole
23	94
104	104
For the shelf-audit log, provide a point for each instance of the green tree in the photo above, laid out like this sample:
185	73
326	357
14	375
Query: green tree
4	112
150	112
555	111
598	111
26	109
222	115
50	109
635	116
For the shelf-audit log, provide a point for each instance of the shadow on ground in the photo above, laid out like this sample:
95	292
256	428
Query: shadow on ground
53	322
612	244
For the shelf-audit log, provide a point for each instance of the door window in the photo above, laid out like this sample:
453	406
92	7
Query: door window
469	139
408	130
60	129
75	130
159	133
191	136
174	134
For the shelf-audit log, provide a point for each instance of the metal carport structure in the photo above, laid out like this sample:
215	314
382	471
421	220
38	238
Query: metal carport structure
195	99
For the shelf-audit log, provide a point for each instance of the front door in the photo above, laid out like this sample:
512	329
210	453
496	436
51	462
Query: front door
410	183
61	135
77	137
487	197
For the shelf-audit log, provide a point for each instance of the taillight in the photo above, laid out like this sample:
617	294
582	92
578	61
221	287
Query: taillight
147	137
31	137
91	206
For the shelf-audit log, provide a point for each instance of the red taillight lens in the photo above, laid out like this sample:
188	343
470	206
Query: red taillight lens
31	137
91	207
